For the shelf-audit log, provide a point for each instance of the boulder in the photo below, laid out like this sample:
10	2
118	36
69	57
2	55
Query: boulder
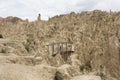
66	71
22	72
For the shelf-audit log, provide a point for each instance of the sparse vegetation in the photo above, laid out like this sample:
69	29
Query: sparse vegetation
101	74
82	67
94	30
3	50
14	20
86	66
27	45
58	76
1	36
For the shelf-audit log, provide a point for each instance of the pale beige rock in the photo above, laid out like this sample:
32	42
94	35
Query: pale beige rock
86	77
22	72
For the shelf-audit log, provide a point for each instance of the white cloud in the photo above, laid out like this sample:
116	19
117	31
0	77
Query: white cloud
108	5
30	8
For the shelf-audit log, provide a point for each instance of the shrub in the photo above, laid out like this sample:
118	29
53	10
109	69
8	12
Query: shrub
82	67
3	51
87	66
27	45
1	36
58	76
101	74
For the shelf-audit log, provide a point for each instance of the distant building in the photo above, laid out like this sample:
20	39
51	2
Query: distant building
39	17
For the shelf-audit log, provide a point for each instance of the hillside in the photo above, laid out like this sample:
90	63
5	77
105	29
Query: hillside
94	34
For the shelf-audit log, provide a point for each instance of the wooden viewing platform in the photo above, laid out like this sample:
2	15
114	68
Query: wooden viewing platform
63	48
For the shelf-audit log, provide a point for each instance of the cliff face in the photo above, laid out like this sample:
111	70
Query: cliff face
95	36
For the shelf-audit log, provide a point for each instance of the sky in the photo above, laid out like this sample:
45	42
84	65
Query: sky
49	8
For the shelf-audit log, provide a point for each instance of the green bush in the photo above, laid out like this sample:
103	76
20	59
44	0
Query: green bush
82	67
1	36
3	51
58	76
87	66
27	45
101	74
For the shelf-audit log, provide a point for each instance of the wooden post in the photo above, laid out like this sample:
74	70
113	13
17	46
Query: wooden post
66	52
66	46
61	47
58	48
48	49
70	47
52	49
